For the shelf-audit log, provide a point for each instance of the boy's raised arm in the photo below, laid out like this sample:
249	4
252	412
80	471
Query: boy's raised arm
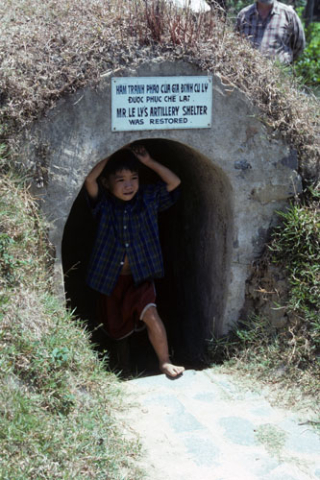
170	178
91	183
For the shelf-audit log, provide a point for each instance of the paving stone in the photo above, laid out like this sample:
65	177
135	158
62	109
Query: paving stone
201	448
238	430
263	464
302	438
204	427
206	397
262	411
280	476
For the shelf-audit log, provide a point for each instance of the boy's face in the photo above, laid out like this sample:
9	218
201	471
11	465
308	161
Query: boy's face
123	184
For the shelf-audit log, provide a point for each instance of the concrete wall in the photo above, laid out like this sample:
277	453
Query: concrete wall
234	177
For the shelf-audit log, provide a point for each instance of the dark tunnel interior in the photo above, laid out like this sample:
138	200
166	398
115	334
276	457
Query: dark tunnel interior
195	238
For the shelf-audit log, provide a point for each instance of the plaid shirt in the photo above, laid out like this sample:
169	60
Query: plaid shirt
128	228
280	35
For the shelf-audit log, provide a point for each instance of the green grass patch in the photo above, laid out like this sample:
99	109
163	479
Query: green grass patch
57	400
296	245
271	437
307	67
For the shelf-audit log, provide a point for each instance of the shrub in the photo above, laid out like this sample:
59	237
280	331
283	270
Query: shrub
308	65
296	245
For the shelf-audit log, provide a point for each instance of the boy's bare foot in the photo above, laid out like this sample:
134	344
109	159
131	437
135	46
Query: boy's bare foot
172	371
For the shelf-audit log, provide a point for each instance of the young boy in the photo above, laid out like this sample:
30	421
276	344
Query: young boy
127	255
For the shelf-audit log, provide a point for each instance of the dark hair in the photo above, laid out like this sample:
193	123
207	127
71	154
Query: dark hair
123	159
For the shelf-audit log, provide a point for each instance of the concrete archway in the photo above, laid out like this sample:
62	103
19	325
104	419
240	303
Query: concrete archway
196	236
235	177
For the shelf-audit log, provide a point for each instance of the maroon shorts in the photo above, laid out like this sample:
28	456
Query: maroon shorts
121	312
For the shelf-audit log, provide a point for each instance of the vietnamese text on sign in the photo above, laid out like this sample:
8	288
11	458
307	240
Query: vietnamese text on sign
149	103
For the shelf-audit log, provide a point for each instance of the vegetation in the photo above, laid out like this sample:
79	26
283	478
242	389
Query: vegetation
288	354
296	246
57	401
70	45
307	67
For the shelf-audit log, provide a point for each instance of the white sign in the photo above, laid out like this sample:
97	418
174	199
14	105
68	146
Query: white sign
161	103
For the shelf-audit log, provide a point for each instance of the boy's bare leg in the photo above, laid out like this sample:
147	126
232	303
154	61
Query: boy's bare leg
158	338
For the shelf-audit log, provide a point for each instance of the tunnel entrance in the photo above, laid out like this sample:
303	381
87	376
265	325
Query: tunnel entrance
195	236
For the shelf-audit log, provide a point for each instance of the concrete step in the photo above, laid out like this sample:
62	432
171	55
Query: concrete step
204	426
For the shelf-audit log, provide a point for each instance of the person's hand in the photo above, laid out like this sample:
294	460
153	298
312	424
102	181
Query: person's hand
166	175
141	153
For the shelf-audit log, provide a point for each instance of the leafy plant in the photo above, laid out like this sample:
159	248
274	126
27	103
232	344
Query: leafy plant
296	244
253	340
308	66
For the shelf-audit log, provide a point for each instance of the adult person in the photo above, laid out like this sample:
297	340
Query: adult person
273	28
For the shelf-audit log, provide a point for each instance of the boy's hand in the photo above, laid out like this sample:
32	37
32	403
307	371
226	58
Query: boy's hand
141	153
166	175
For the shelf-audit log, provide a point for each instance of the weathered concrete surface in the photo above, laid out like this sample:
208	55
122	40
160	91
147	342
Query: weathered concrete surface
234	177
204	426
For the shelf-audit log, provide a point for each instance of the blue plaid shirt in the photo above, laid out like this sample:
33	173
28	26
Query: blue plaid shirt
279	35
128	228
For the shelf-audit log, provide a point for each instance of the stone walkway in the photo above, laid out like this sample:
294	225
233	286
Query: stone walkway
204	427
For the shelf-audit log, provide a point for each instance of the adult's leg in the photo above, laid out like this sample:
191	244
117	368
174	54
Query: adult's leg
158	338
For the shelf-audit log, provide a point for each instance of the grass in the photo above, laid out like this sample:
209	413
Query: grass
297	240
51	49
271	437
57	400
307	67
284	355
